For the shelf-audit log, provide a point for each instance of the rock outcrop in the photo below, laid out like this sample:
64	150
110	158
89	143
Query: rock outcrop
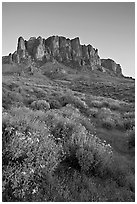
59	48
21	49
112	66
64	50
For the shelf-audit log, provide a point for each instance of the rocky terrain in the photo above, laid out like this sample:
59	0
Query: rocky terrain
66	51
68	124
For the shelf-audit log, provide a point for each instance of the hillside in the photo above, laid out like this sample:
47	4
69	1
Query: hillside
68	129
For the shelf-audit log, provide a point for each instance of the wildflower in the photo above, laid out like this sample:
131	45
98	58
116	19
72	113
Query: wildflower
34	190
37	140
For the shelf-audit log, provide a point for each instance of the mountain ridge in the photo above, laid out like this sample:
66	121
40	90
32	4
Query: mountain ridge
66	51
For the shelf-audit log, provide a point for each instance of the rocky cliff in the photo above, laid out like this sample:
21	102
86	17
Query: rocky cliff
64	50
111	65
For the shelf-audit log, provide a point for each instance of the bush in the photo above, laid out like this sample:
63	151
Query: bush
54	104
29	156
108	118
77	135
128	123
93	112
130	135
100	102
79	140
38	144
73	100
114	104
40	105
129	115
9	98
97	104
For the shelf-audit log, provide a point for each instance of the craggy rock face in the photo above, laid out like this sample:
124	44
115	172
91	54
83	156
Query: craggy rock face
111	65
58	48
21	47
21	44
76	50
119	70
65	48
53	44
39	49
15	57
30	44
62	49
85	52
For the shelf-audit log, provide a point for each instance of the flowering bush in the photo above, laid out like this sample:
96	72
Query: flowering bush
37	144
78	138
29	155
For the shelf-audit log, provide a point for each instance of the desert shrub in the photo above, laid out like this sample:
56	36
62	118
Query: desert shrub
111	192
93	156
30	155
40	105
129	114
9	98
108	118
37	144
28	100
74	100
99	102
114	105
39	92
108	123
130	135
105	116
88	189
79	141
77	135
130	182
128	123
78	103
6	100
120	170
69	112
83	188
93	112
54	104
96	103
116	169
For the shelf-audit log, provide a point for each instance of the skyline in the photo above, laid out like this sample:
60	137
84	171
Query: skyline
109	27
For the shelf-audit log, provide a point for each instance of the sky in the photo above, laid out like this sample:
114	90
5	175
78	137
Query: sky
107	26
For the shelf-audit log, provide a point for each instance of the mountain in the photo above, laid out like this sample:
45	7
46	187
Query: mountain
68	52
68	124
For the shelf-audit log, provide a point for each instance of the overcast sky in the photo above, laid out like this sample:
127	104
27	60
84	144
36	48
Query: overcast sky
109	27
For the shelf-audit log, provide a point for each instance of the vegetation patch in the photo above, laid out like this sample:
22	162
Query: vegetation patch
62	142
